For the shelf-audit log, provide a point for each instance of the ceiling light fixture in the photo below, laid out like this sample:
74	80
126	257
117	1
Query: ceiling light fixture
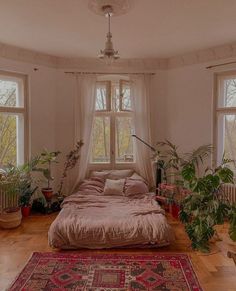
108	54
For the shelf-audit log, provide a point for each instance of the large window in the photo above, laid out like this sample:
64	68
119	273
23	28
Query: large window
225	117
112	143
13	119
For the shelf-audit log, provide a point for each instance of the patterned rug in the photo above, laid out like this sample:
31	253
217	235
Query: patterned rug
62	271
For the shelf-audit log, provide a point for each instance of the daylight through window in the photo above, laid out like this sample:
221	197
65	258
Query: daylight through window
112	142
226	118
12	119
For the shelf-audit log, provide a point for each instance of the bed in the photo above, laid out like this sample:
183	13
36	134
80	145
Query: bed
90	219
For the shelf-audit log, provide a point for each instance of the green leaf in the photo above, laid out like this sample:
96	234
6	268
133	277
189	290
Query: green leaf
226	175
188	172
232	232
184	217
47	174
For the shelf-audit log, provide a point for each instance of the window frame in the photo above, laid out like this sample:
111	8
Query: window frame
113	114
23	110
217	111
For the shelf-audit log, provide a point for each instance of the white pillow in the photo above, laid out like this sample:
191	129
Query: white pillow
119	174
114	187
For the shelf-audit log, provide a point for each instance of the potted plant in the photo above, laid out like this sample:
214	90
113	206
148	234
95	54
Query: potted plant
204	205
10	216
46	159
11	177
71	160
25	193
16	184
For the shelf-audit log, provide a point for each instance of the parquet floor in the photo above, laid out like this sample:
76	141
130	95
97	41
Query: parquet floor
216	272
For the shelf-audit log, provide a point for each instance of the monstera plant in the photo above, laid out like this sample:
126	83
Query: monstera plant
206	206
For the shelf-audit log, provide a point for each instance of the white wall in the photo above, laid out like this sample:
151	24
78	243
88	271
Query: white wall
188	104
184	106
159	120
65	127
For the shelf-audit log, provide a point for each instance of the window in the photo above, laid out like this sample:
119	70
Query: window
112	143
13	118
225	117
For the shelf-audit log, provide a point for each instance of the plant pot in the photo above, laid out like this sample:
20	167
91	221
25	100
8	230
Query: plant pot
11	217
25	210
48	193
175	211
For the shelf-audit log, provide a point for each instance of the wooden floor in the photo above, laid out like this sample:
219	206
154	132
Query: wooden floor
215	271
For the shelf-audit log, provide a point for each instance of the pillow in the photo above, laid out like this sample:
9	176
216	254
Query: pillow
119	174
134	187
135	176
100	174
114	187
95	184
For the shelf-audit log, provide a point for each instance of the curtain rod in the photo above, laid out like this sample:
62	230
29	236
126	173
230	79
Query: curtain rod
107	73
219	65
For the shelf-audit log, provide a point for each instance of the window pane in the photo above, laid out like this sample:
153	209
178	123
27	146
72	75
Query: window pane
227	93
101	97
101	140
11	139
227	137
126	98
11	93
116	97
124	141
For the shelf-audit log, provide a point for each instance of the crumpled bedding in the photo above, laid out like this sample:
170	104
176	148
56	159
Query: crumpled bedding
95	221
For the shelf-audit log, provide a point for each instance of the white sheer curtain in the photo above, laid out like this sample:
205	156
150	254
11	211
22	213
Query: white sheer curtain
140	94
84	115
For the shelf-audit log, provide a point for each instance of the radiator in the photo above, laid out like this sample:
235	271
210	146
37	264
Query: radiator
7	200
229	191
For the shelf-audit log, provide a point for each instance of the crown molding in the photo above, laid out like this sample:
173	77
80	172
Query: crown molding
132	65
203	56
129	65
28	56
37	58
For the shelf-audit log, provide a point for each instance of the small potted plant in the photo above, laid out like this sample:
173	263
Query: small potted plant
11	216
15	182
10	180
26	192
46	159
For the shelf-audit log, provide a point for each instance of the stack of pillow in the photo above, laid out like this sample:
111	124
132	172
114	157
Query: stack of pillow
121	182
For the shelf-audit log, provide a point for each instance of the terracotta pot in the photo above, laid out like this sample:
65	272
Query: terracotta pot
25	210
11	217
48	193
175	211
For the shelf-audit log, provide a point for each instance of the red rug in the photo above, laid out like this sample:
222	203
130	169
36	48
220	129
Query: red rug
62	271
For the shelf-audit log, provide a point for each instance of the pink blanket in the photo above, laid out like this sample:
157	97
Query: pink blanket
92	220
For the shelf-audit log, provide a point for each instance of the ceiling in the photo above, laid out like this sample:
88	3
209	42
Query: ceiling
154	28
